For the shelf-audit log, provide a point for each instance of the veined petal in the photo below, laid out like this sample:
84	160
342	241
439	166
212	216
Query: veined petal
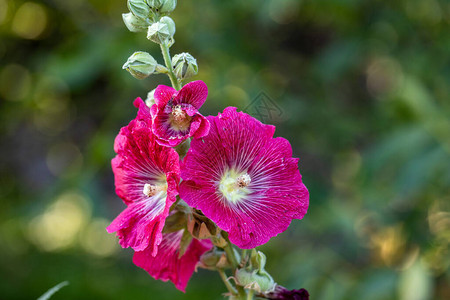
146	178
175	115
163	94
243	179
141	224
194	93
167	265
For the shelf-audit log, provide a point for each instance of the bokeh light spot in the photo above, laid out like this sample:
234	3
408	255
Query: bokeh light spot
58	227
29	21
384	76
64	160
283	11
15	82
3	11
95	240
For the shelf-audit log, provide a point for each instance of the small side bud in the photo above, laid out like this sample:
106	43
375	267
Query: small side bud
184	66
140	9
260	283
158	32
170	24
133	23
168	6
150	99
162	6
140	65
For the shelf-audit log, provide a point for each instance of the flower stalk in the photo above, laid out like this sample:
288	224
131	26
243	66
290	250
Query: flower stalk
168	60
179	218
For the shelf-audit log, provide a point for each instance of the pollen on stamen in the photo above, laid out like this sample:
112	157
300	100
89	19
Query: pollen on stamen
179	116
243	181
149	190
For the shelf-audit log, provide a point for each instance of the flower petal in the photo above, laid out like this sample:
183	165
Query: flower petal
163	94
167	265
275	194
194	93
141	224
140	161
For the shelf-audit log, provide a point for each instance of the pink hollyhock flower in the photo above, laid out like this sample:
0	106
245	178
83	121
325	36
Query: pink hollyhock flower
243	179
167	265
175	113
146	177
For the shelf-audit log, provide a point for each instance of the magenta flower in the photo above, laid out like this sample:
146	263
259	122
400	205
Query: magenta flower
281	293
146	177
175	113
167	265
243	179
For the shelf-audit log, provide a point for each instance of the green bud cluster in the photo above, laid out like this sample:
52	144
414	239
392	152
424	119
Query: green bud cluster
151	16
143	13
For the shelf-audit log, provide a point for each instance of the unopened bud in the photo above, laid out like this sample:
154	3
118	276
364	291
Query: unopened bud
140	9
210	259
158	33
133	23
140	65
184	66
150	98
162	6
168	6
170	24
260	283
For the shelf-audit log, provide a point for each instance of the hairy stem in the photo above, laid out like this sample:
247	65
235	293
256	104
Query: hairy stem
229	250
166	54
250	295
230	288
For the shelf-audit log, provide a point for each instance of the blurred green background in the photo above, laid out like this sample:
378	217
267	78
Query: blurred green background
363	88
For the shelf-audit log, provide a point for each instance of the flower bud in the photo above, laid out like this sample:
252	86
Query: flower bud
281	293
158	33
140	65
213	259
150	98
140	9
168	6
260	283
184	66
133	23
162	6
170	24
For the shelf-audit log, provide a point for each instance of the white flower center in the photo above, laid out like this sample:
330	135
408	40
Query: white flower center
151	190
234	186
179	119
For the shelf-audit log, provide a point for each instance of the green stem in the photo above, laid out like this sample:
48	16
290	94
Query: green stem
230	254
234	264
230	288
166	54
250	294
